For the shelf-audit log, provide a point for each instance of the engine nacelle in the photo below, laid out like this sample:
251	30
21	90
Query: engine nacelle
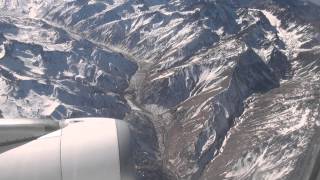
74	149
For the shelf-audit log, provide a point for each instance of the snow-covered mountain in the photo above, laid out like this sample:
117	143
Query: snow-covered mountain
213	89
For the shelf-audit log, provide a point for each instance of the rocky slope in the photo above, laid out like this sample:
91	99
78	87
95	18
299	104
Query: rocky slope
213	89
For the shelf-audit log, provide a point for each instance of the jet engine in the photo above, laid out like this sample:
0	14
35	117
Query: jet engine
73	149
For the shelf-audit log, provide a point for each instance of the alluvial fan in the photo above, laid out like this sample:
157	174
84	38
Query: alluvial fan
213	89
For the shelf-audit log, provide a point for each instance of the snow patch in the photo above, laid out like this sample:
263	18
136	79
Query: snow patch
49	107
260	165
209	143
264	54
132	104
291	36
163	76
296	123
2	51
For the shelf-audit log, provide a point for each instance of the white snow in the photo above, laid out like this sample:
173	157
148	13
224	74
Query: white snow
200	108
292	36
32	8
261	165
39	71
264	53
132	104
209	142
295	123
2	51
49	107
220	31
44	37
163	76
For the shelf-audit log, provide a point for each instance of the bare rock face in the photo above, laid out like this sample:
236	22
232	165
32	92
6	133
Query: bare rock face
213	89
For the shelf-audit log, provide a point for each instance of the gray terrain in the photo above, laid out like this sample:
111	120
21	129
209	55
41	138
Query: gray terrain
212	89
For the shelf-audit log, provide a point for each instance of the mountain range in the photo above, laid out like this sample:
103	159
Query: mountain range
212	89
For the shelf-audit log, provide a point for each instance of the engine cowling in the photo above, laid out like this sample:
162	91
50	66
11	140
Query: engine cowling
75	149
